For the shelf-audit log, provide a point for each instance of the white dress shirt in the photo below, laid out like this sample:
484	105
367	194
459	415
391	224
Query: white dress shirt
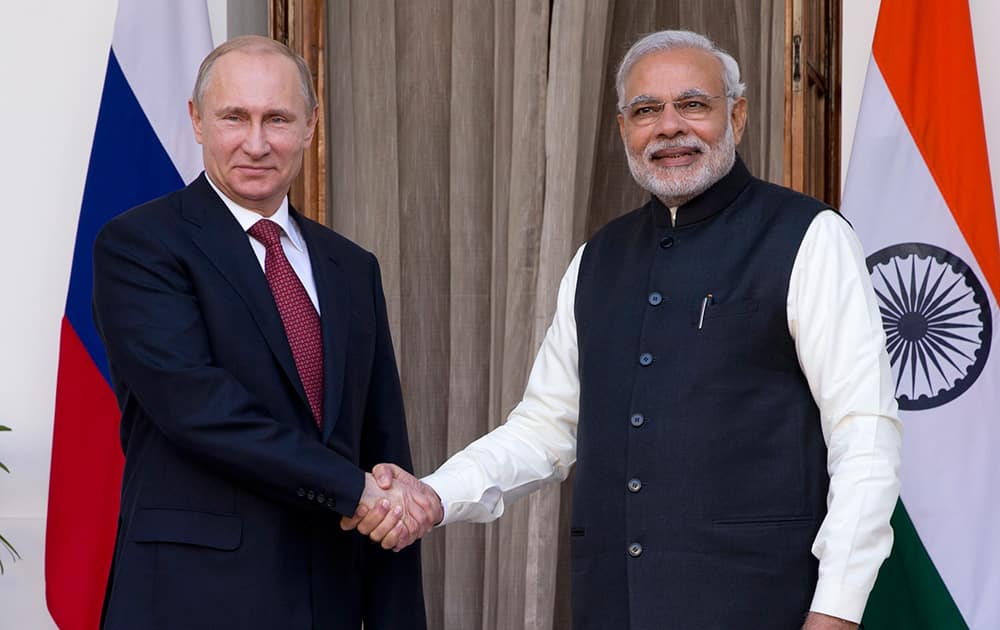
292	242
834	319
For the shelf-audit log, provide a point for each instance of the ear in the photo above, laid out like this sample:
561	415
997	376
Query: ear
621	128
195	120
738	118
311	125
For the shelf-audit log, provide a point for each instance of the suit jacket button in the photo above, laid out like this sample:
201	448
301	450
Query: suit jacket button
667	242
637	420
330	503
301	492
634	484
655	298
635	550
311	495
320	498
645	359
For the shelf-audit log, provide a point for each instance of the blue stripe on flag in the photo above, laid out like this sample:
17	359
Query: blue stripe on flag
128	166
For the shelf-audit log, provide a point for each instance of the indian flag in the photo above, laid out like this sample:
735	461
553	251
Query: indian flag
920	196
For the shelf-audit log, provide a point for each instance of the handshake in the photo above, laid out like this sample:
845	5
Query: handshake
396	508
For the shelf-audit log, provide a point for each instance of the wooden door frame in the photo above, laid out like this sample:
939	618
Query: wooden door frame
301	25
796	73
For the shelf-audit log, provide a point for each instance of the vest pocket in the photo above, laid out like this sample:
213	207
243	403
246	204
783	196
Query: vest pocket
715	310
765	521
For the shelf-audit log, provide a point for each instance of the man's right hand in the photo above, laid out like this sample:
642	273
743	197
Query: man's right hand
396	508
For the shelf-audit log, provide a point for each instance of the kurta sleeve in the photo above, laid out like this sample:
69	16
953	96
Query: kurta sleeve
834	318
537	443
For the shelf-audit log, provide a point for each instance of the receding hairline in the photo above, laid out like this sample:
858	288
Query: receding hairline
721	67
254	45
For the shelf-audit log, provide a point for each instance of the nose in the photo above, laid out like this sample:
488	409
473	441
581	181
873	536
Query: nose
255	143
670	123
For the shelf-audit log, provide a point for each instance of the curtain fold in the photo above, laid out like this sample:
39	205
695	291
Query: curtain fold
473	147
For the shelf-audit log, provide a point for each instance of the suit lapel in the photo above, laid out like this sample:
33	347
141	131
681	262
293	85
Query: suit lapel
227	246
334	304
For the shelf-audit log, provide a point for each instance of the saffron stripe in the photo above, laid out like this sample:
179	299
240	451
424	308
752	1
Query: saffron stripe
927	81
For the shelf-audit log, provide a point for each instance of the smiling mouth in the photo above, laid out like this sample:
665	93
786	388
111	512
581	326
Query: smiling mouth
675	153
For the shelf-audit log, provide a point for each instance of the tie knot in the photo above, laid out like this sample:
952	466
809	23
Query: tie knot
267	232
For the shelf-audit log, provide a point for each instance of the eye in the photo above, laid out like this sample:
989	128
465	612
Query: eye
692	105
645	110
278	120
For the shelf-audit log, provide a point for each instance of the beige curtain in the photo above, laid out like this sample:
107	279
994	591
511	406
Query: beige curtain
473	147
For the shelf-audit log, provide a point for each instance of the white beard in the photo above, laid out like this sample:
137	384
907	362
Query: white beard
676	185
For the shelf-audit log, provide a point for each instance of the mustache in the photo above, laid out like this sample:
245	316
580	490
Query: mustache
690	144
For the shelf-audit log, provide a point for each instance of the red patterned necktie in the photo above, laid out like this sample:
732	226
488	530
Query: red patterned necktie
297	312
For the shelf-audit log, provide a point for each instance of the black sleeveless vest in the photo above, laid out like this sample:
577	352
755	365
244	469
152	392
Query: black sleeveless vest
701	475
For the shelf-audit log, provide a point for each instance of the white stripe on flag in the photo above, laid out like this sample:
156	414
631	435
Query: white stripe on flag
159	45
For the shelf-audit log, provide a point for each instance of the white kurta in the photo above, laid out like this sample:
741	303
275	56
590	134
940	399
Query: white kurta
834	319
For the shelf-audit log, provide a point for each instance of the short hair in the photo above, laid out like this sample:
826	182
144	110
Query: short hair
255	44
673	40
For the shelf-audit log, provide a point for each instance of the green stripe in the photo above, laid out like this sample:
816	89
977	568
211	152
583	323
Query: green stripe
909	594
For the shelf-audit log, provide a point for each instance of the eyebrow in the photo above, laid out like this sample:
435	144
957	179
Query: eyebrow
643	98
242	111
691	93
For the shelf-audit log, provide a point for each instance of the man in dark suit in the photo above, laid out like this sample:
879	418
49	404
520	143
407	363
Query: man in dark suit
250	353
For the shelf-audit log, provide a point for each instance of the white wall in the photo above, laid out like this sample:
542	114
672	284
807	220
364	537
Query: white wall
54	56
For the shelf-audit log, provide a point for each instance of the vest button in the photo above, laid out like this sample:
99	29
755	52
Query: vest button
635	550
637	419
634	484
655	298
645	359
667	242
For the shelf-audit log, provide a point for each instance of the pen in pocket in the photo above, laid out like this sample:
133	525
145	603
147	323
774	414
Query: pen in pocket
704	305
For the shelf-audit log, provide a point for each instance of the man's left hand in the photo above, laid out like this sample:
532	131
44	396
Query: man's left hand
819	621
422	509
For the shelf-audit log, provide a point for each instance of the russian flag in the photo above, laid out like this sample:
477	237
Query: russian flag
143	148
920	195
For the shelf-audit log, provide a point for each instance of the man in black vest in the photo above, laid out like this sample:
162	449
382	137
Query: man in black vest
716	368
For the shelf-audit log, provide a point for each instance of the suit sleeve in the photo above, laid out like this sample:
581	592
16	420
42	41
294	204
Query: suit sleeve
393	593
148	315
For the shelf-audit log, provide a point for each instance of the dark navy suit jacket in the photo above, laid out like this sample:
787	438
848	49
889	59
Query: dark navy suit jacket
231	496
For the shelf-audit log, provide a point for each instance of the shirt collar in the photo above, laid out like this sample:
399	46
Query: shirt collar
247	218
717	198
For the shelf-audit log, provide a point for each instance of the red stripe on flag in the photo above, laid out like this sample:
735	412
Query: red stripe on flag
926	55
84	489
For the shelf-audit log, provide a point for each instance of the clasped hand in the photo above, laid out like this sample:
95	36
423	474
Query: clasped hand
395	509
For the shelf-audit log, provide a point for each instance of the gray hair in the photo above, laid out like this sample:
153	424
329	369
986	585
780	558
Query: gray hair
255	44
672	40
